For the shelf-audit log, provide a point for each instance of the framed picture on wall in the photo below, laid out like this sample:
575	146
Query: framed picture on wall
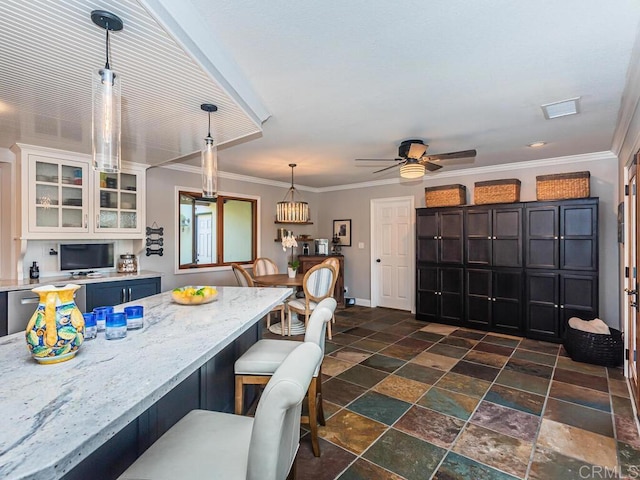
342	229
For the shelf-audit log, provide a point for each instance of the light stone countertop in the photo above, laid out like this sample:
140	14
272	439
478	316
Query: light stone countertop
54	416
27	284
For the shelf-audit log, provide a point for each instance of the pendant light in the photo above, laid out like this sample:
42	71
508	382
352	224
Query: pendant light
209	159
289	210
106	114
412	169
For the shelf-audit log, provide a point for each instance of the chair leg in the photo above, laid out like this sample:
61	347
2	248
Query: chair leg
268	320
313	416
239	399
282	321
320	406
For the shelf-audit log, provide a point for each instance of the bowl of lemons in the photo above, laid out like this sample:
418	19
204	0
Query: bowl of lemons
194	295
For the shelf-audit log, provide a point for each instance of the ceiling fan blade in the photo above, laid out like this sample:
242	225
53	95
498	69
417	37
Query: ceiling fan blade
432	167
416	150
379	159
447	156
388	168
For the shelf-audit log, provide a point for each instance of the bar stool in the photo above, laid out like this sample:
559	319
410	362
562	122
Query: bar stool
207	444
257	364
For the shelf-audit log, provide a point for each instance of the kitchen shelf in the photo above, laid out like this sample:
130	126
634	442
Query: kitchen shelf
293	223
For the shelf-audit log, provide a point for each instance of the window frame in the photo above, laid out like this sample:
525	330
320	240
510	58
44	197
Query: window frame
219	227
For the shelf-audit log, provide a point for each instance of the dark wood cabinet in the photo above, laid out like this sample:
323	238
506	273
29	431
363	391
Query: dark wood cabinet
308	261
494	236
114	293
562	235
440	294
494	299
552	298
439	235
522	268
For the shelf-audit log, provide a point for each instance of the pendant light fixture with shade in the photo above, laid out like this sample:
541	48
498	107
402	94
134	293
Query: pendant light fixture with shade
289	210
209	158
106	112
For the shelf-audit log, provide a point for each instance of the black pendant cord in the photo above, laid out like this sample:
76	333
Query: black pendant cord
209	128
107	49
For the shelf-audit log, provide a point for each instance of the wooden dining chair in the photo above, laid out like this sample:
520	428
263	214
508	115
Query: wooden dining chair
264	266
257	364
244	280
206	444
335	263
318	283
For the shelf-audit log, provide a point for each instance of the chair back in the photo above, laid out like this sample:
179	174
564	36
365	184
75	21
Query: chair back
242	276
264	266
319	282
276	428
334	262
317	326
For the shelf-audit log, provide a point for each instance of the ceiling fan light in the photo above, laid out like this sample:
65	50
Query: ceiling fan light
412	170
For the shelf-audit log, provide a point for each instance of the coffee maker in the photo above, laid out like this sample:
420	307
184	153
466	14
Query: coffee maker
322	246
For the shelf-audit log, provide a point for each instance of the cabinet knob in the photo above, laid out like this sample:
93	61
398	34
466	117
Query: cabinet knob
555	306
489	237
561	306
494	299
435	237
494	238
561	237
555	238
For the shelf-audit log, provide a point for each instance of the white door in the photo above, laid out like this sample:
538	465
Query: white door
204	240
631	282
392	249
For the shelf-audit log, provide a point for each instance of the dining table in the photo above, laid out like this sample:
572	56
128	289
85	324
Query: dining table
283	280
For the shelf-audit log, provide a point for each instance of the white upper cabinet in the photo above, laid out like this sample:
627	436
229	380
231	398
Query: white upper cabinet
63	198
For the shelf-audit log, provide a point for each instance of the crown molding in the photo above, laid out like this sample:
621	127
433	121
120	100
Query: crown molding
545	162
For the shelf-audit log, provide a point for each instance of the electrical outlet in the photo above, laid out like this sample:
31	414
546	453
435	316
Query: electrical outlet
361	245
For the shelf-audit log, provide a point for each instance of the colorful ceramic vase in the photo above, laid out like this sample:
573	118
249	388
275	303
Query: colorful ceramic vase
56	329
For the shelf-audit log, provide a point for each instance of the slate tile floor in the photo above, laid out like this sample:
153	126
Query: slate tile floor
410	400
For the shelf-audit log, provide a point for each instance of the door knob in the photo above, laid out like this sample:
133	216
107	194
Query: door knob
378	260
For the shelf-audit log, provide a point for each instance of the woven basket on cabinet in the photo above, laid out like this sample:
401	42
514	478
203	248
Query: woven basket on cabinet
562	186
497	191
445	195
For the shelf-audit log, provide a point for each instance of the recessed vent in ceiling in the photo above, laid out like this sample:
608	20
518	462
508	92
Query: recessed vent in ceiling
563	108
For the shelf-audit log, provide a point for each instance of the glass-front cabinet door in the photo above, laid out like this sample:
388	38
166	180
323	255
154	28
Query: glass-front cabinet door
58	198
118	202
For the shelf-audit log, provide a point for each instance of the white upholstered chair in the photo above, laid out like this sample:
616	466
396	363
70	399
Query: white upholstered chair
207	444
244	280
264	266
257	364
318	283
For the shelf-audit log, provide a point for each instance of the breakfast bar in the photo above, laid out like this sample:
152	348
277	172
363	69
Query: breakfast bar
90	417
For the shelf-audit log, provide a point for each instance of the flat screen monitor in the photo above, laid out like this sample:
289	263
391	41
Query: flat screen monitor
85	256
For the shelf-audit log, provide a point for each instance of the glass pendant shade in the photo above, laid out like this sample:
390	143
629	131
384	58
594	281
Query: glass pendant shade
289	210
209	168
106	121
412	169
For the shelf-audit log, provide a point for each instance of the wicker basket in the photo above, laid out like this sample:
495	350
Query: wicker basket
562	186
445	195
497	191
595	348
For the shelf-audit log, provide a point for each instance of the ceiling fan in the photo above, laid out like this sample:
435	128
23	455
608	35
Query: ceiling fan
413	160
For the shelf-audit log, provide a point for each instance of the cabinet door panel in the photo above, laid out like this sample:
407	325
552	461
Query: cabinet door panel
451	224
478	297
428	279
427	250
541	237
451	301
427	225
578	234
543	287
507	237
144	288
427	306
507	307
451	250
542	304
579	292
543	321
506	253
479	237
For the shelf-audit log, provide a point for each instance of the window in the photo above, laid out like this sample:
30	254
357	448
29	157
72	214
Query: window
216	231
